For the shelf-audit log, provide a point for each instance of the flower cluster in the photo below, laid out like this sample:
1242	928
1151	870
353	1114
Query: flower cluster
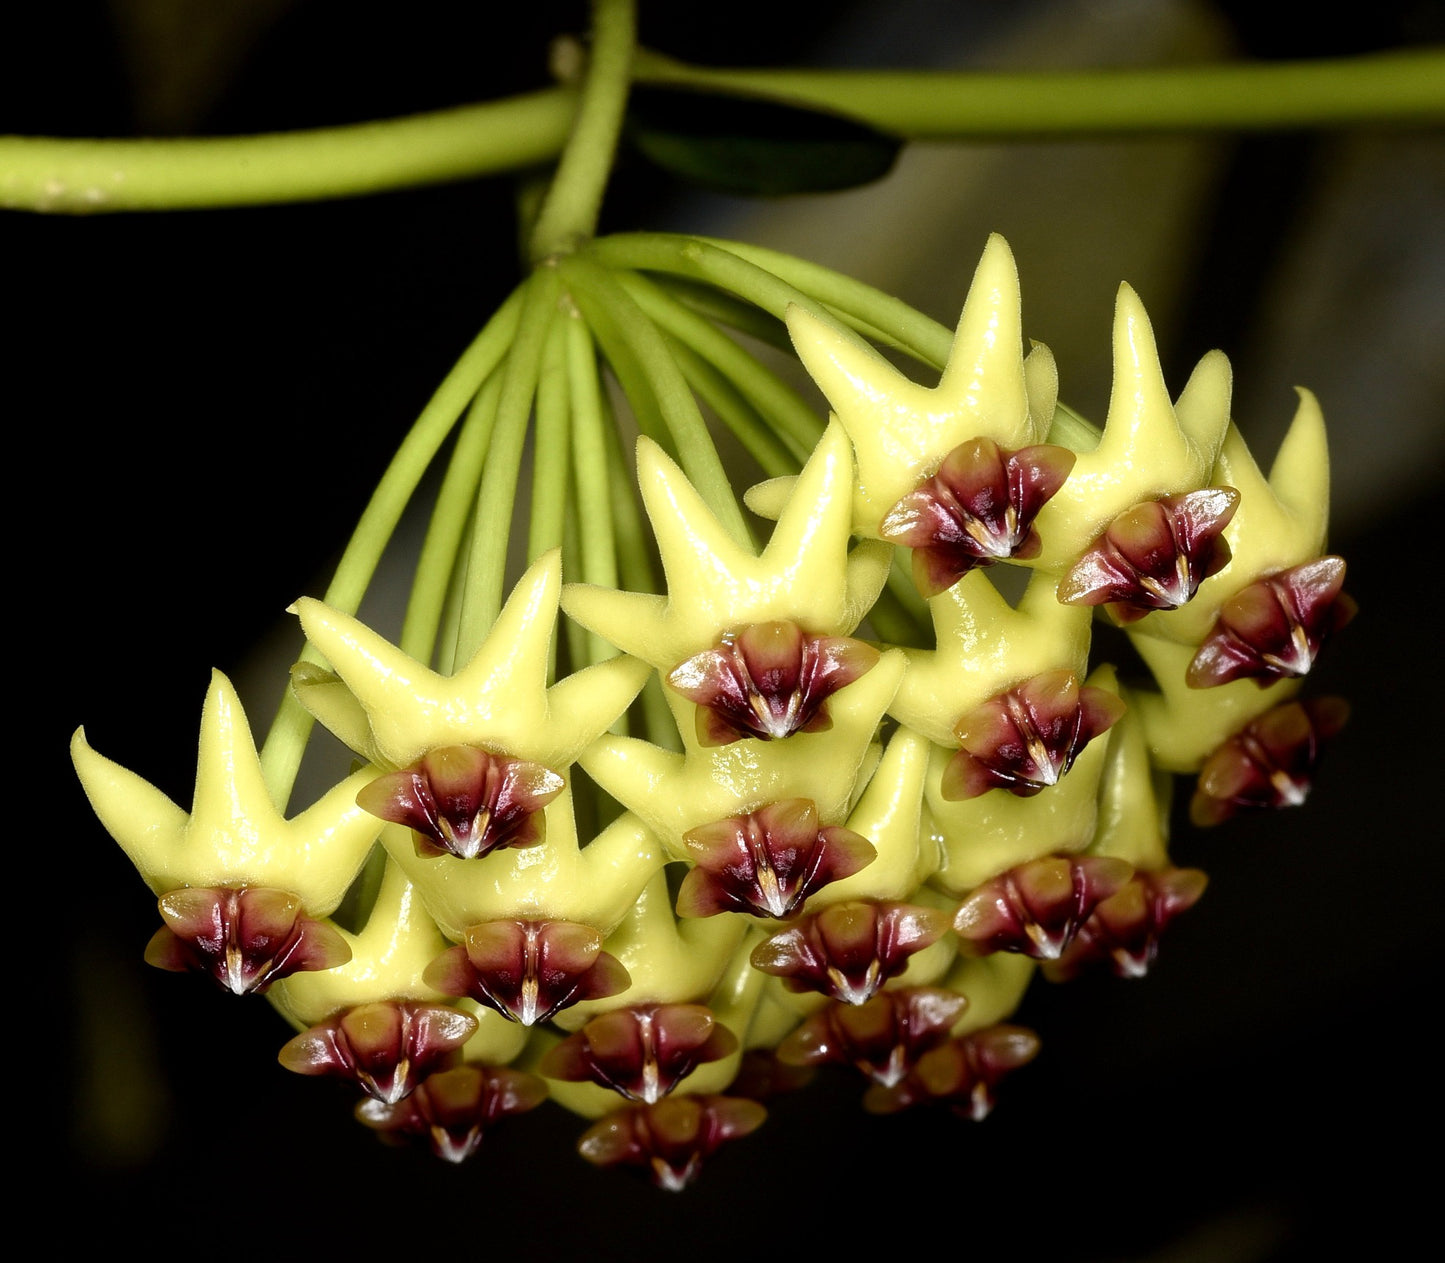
834	799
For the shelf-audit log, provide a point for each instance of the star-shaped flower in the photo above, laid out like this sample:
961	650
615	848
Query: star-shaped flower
985	646
392	709
676	793
901	431
233	836
804	575
981	837
1281	521
388	955
1149	448
671	960
1182	725
1275	627
561	881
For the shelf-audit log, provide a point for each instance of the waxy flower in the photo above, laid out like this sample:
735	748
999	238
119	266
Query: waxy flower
244	940
849	950
465	801
818	780
984	645
883	1037
978	509
641	1052
394	710
1037	908
671	1139
1270	762
902	432
768	861
1027	737
1155	555
529	970
963	1073
806	573
453	1109
1125	928
1150	448
387	1047
233	837
768	681
1275	627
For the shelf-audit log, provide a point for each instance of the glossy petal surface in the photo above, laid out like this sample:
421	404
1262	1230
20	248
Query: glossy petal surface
768	861
963	1073
1026	738
768	681
1270	762
1155	555
244	940
1037	908
641	1052
1125	928
452	1110
529	970
978	509
233	836
1274	628
465	801
387	1047
849	950
883	1037
671	1139
392	709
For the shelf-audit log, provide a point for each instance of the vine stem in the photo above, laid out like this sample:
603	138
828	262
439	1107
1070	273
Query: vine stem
1399	88
47	173
569	211
44	173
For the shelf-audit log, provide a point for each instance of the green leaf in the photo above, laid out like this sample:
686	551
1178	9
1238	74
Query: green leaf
752	145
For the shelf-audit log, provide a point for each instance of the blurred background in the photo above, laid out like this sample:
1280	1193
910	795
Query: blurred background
214	394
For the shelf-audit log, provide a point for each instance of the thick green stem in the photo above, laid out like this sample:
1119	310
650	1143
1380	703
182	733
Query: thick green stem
1399	88
569	213
286	740
728	310
41	173
636	569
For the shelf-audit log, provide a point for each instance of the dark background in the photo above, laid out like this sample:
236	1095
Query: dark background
206	400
